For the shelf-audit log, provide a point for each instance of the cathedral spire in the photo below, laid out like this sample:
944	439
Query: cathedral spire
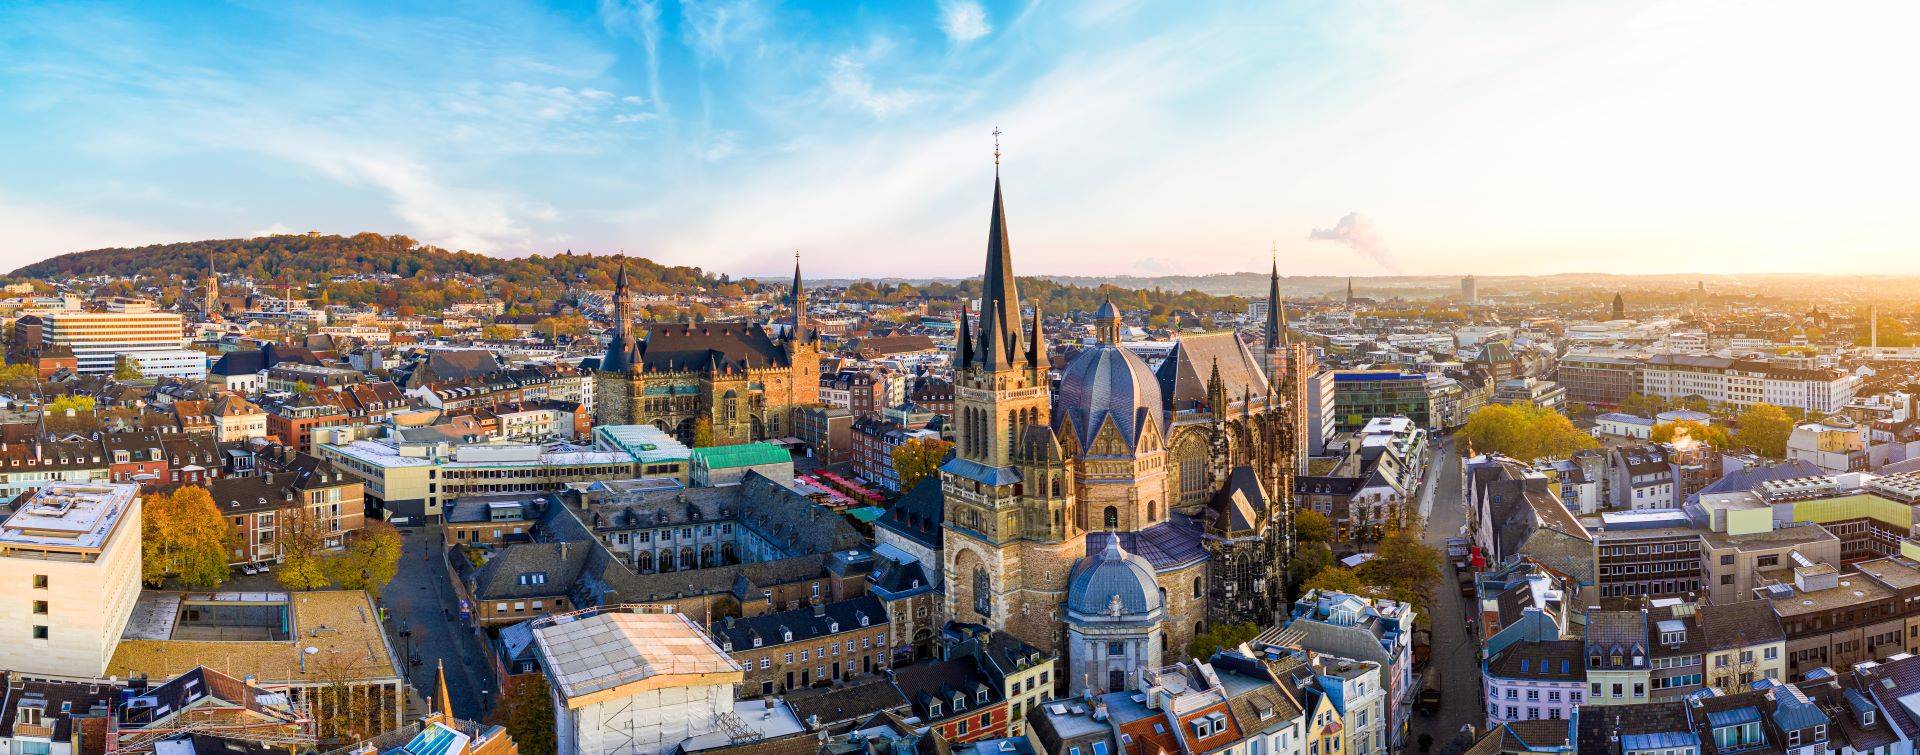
620	347
999	336
1036	342
799	299
963	342
1276	309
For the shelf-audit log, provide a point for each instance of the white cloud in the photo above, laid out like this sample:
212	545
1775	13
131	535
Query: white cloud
712	28
640	20
963	21
850	82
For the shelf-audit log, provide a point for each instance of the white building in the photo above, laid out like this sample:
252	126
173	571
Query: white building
631	681
176	363
99	338
69	576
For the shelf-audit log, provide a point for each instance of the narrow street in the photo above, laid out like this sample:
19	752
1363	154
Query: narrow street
420	599
1454	652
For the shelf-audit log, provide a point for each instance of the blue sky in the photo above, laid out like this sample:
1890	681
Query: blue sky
1140	137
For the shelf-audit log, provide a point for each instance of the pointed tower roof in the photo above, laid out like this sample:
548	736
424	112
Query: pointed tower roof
442	702
999	336
1036	341
963	343
620	351
1276	309
799	300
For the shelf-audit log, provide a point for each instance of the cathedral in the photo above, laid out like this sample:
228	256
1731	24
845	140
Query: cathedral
737	382
1113	517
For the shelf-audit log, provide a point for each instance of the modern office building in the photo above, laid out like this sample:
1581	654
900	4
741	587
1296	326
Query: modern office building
98	339
69	577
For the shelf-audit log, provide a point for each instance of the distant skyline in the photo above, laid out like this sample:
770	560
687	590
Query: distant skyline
1140	138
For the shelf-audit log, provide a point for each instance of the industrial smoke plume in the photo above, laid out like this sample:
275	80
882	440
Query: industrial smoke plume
1357	233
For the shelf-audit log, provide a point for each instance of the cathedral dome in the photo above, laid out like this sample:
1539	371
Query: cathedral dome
1114	584
1107	381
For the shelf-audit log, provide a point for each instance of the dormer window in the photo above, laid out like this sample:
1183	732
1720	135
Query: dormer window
29	715
933	710
863	620
980	697
756	641
786	635
959	702
833	626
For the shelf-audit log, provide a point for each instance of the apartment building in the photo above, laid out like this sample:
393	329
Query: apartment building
412	480
1836	619
69	577
822	644
1602	378
1651	553
99	339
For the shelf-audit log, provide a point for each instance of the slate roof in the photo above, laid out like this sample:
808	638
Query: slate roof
1183	376
1741	624
1598	725
1238	509
1553	661
1103	383
1170	544
918	515
805	624
559	563
704	346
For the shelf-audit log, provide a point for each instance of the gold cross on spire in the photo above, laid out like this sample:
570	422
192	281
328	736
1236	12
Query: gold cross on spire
996	150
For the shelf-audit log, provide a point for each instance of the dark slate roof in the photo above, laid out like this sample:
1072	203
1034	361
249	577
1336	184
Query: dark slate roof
1172	543
1237	508
1113	573
918	515
1554	661
1742	624
1750	477
1334	486
703	346
1183	376
81	696
805	624
843	704
1103	383
560	564
1600	724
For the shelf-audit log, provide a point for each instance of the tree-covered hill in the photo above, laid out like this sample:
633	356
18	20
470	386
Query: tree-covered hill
312	258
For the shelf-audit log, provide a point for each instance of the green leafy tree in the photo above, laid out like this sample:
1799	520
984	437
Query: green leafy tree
184	536
1404	568
1764	429
123	370
1221	637
917	458
371	558
1311	526
1309	559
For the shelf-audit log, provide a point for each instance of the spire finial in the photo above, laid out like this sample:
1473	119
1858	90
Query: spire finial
1276	253
996	151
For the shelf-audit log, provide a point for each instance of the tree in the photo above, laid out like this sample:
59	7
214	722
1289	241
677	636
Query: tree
183	535
1525	432
1311	526
1308	560
526	712
371	559
1403	567
71	403
499	333
1682	431
1221	637
123	370
1336	579
702	432
303	563
917	458
1764	429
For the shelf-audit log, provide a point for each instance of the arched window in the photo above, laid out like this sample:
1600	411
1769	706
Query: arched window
644	563
1199	589
1112	520
1153	511
982	592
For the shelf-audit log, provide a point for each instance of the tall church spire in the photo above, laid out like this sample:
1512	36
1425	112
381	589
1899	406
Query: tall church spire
963	345
213	290
619	356
799	299
1276	309
999	336
1036	342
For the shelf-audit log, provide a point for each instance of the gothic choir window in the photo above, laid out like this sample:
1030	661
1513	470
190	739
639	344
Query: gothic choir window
982	592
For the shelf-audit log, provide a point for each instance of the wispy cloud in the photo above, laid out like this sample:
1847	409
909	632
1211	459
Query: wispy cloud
851	83
638	20
713	28
963	21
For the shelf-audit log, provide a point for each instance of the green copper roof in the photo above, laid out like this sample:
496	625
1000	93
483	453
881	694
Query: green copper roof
743	455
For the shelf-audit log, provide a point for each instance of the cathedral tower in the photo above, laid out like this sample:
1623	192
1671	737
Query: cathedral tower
1011	536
